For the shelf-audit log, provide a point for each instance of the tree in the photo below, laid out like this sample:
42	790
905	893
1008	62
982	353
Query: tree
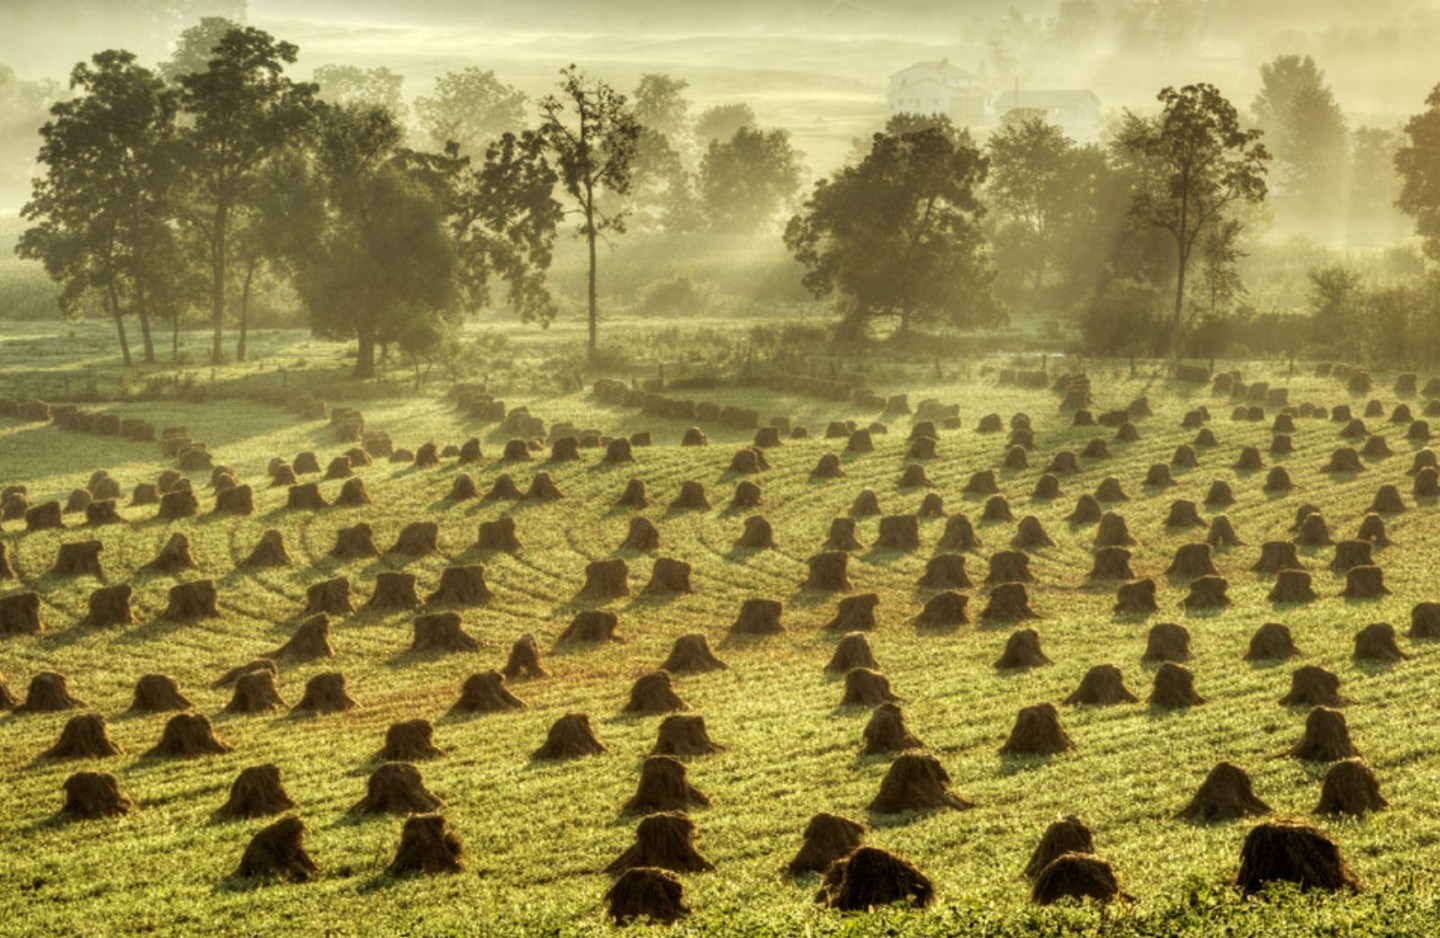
661	106
1418	163
592	132
1374	184
102	209
1336	297
898	235
1306	129
722	121
351	84
502	218
1220	256
370	250
470	107
196	47
1196	164
745	181
23	108
240	110
1032	186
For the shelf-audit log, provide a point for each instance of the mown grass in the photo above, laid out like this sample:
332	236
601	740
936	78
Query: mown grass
538	835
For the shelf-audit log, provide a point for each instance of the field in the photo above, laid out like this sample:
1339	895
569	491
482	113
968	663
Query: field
538	834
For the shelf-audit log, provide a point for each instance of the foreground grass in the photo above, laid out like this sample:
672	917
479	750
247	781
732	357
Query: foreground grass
538	835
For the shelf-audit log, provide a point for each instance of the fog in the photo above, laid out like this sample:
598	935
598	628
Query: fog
816	67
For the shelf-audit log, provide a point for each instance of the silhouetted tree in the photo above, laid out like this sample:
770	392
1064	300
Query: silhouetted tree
898	235
472	108
592	132
1416	162
1196	163
746	180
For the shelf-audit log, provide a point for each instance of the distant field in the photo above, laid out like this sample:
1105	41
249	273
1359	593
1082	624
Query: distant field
539	834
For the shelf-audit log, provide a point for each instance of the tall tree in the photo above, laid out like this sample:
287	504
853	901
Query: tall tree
664	198
1035	183
351	84
898	235
1196	163
369	245
722	121
1418	163
472	108
240	110
196	46
502	217
661	106
592	132
746	180
102	209
1306	132
1374	184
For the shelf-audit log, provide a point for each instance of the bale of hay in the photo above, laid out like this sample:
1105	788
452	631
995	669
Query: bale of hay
606	579
865	687
828	571
1313	686
1365	582
647	893
570	737
270	551
158	693
354	543
854	614
107	606
229	678
463	488
1075	876
1271	642
1037	732
692	496
84	736
1022	650
1425	620
441	631
946	571
747	495
842	535
417	539
191	601
310	642
542	488
997	508
1111	563
409	741
1030	534
916	782
1372	529
1008	601
101	514
1387	501
1207	592
325	693
1285	851
653	693
886	732
1292	586
503	489
1174	687
860	442
1087	511
257	792
959	534
1222	533
461	586
79	558
758	617
1350	788
826	839
758	534
898	532
852	651
239	500
642	535
331	597
255	693
1192	561
1136	598
303	497
1376	642
278	851
591	625
1277	556
188	734
91	796
1065	835
663	841
1102	686
1226	794
694	437
396	788
1112	531
664	786
393	590
1326	737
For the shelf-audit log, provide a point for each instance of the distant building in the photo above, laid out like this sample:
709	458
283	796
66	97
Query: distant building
1075	112
930	88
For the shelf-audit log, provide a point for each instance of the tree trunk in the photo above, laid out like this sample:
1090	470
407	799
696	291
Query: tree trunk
175	337
590	235
245	310
217	285
114	304
365	359
904	329
145	337
1172	339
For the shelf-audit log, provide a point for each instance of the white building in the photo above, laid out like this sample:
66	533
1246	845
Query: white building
928	88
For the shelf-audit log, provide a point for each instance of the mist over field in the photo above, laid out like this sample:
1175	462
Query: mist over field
825	467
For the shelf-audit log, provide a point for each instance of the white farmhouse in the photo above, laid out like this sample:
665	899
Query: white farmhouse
927	88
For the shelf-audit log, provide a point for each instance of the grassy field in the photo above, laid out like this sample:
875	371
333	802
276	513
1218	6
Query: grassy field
539	834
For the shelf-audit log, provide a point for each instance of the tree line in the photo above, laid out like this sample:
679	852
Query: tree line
181	188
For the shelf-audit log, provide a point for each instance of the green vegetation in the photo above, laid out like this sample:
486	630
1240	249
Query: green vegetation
538	835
